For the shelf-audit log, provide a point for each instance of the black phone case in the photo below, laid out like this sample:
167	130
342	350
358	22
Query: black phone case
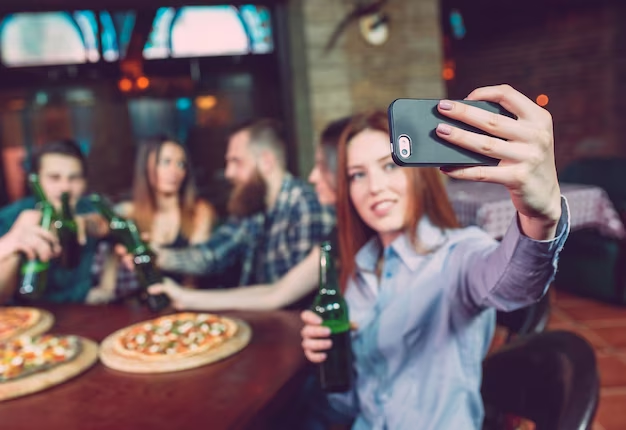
418	118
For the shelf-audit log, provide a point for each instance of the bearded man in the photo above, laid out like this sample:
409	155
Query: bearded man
275	218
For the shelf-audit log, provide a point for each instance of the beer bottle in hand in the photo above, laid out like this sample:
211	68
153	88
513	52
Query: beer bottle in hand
335	373
34	272
118	226
68	235
125	231
146	270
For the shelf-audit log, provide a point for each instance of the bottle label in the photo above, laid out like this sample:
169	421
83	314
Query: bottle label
337	327
34	266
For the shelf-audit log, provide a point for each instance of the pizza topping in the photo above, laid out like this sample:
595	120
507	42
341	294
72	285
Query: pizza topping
217	329
26	355
184	328
174	334
14	320
16	361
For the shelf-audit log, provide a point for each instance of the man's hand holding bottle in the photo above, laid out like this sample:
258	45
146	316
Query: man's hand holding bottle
26	236
127	258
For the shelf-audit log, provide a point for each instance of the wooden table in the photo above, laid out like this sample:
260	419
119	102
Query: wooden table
240	392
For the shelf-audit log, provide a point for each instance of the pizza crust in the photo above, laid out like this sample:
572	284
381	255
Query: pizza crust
141	363
39	321
54	376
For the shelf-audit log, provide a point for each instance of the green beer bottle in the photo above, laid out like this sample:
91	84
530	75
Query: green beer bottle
125	232
335	373
118	226
68	235
34	272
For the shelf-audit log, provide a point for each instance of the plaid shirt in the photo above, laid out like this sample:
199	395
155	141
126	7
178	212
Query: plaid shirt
126	281
267	245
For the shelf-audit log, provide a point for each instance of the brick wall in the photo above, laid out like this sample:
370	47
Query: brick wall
355	76
571	54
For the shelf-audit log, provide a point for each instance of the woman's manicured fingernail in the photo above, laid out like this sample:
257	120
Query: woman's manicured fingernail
446	104
444	129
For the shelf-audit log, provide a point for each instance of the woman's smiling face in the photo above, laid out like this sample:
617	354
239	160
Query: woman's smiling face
378	187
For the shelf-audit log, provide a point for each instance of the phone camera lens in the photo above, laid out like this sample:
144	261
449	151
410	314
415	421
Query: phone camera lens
404	146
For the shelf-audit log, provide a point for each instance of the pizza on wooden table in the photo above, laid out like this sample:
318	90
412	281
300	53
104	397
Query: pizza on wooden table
23	321
29	364
174	342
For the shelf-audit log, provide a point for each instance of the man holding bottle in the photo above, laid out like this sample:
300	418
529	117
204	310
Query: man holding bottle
61	168
26	237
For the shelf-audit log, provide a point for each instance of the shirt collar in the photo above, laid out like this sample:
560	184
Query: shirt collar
283	195
430	237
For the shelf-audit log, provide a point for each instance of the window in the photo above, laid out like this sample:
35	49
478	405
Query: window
159	39
86	21
56	38
29	39
203	31
259	26
115	33
87	36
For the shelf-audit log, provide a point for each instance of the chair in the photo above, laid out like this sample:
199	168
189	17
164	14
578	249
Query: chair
550	378
529	320
592	265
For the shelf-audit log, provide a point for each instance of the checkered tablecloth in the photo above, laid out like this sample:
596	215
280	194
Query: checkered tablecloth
489	206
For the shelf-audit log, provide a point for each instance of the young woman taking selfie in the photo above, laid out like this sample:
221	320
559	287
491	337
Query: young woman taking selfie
422	292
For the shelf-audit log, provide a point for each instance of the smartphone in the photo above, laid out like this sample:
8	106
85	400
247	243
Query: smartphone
414	142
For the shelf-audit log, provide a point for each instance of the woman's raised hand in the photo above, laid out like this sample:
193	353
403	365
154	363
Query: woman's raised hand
525	147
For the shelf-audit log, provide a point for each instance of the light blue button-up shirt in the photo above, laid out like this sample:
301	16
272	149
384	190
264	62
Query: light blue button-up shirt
425	326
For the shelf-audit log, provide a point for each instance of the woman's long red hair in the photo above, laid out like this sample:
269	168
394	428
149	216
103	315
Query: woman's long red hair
144	198
426	192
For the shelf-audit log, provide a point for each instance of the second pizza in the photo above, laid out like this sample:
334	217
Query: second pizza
174	342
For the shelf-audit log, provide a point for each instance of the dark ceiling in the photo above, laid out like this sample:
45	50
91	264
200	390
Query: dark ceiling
492	18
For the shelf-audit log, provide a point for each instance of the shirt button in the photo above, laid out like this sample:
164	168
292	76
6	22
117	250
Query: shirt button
388	275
